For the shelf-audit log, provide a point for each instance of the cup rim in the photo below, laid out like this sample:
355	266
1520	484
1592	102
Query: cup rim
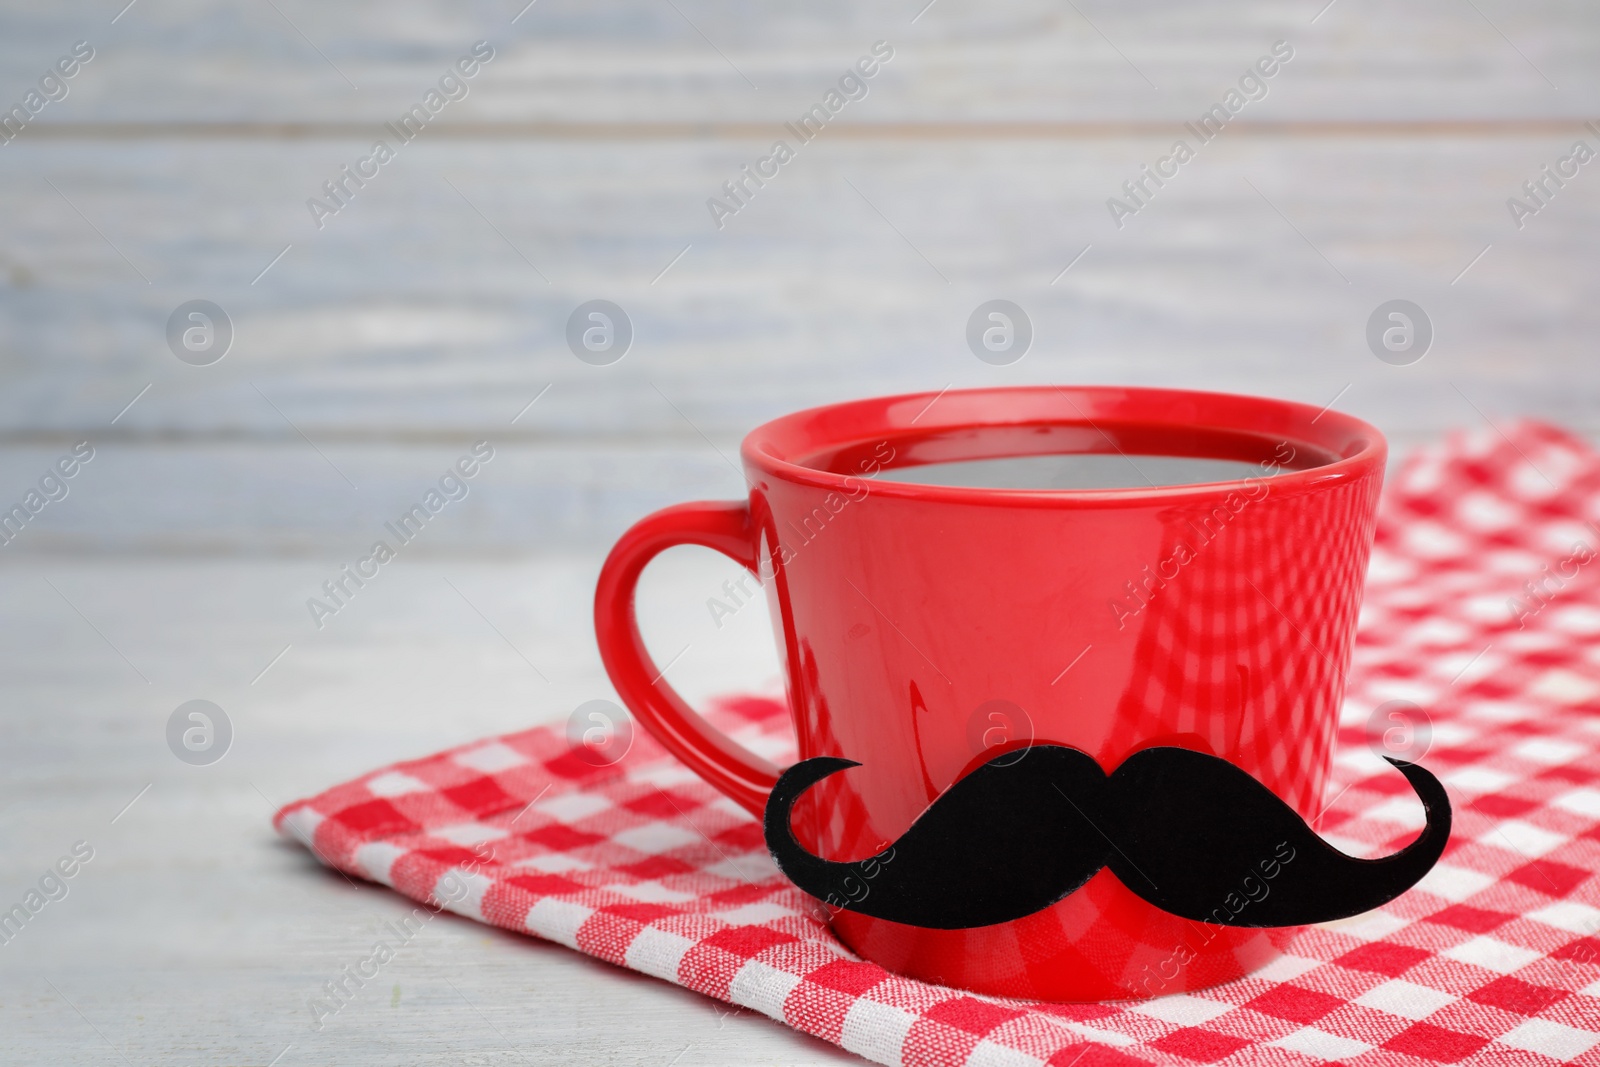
770	449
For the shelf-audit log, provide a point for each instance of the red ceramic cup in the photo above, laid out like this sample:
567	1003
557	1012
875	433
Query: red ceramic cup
921	625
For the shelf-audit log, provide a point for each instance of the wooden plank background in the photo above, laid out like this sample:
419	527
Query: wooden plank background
430	311
432	308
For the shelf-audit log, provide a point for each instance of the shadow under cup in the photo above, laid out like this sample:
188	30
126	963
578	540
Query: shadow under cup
952	575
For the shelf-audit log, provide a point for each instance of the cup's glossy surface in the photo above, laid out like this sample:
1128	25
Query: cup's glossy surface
920	626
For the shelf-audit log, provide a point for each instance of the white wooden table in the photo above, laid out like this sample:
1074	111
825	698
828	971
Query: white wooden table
195	935
431	310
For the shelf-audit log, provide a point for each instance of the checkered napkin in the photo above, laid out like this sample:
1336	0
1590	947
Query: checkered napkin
1493	959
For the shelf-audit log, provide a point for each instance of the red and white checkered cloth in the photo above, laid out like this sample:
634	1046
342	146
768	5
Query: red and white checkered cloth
1493	959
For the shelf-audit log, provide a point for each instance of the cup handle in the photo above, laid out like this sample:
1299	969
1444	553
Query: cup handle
723	527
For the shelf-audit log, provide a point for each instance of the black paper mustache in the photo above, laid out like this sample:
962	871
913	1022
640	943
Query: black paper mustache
1190	833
